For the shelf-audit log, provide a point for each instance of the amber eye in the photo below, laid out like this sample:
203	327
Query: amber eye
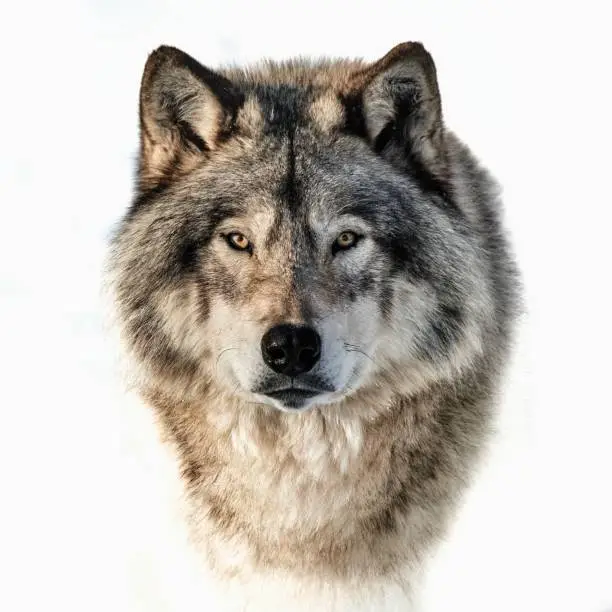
344	241
238	241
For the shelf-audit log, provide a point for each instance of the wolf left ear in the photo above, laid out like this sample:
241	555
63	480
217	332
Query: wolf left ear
185	109
402	109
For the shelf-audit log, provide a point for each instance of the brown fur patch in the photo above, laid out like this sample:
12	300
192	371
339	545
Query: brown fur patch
327	113
250	120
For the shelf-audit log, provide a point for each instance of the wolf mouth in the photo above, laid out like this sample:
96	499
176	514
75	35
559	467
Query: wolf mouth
292	397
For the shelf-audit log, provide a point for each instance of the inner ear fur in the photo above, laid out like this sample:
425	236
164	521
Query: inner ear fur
401	108
186	109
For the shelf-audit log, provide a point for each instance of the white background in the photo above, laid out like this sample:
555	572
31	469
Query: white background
526	84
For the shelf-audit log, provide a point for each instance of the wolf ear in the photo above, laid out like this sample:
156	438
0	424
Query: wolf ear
185	109
402	110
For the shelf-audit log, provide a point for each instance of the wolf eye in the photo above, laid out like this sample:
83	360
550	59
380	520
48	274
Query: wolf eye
238	241
345	241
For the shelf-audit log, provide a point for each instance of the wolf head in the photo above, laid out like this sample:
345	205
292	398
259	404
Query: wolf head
299	232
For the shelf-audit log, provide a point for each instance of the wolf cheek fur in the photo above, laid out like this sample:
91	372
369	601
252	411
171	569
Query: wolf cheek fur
314	284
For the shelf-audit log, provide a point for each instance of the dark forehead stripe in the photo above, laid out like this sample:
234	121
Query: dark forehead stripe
289	189
283	107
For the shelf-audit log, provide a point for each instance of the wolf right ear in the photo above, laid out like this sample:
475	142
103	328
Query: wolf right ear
402	110
185	109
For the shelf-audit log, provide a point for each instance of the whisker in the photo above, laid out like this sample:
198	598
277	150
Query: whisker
257	404
356	350
231	348
353	348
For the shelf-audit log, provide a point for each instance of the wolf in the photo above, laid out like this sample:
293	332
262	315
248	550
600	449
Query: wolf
317	299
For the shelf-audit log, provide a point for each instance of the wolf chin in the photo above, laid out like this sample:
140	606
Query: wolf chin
315	292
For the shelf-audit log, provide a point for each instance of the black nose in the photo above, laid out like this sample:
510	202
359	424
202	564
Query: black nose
291	349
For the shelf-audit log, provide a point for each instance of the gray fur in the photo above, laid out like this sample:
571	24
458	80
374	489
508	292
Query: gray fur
415	320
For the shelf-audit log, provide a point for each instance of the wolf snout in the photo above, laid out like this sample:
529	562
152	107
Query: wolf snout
291	349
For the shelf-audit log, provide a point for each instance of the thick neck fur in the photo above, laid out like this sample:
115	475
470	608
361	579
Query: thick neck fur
356	490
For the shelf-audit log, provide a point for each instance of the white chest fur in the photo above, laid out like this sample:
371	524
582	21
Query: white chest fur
167	574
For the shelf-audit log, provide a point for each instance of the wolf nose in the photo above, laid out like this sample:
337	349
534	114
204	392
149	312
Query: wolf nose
291	349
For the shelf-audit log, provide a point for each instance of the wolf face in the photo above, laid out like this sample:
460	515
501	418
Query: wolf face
299	233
